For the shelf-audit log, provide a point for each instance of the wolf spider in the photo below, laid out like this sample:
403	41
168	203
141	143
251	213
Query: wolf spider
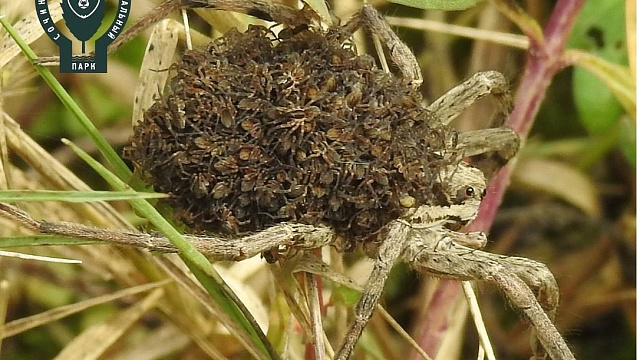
424	235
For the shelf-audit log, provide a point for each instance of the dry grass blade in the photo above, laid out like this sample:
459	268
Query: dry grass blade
316	315
21	325
4	151
630	10
474	309
161	343
508	39
298	308
96	340
4	301
38	257
30	30
58	174
188	285
320	7
559	179
313	265
154	70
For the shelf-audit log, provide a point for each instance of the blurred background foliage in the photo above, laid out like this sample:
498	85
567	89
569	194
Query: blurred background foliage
571	203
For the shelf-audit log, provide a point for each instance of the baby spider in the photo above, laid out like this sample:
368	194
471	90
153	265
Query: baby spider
270	142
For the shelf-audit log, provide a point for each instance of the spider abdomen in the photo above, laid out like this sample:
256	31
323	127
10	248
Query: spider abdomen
255	131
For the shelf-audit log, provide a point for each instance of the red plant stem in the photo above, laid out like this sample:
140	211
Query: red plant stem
434	325
544	61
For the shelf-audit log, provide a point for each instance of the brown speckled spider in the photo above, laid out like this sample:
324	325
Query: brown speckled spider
275	142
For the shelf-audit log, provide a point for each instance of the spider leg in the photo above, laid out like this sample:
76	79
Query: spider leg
269	11
388	253
477	142
490	148
157	14
435	253
400	53
452	103
215	248
474	240
265	10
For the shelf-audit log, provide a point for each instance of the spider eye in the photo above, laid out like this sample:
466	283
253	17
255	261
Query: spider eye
484	193
469	191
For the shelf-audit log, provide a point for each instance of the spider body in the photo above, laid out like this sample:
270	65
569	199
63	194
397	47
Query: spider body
268	143
257	130
280	142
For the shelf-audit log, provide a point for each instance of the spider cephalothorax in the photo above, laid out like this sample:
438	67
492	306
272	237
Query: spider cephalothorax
257	130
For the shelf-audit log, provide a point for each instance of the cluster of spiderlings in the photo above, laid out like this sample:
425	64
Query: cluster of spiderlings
257	130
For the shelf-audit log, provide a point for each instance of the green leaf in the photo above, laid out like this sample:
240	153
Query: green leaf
617	78
599	31
439	4
74	196
345	295
627	139
600	28
598	107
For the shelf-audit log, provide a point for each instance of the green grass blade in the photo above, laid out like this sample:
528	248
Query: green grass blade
43	240
439	4
74	196
107	151
199	265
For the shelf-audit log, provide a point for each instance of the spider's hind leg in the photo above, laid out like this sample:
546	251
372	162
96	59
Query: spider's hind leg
436	253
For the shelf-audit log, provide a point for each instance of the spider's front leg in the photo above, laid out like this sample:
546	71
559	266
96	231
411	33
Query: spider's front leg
464	189
491	148
448	106
400	53
437	253
388	253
